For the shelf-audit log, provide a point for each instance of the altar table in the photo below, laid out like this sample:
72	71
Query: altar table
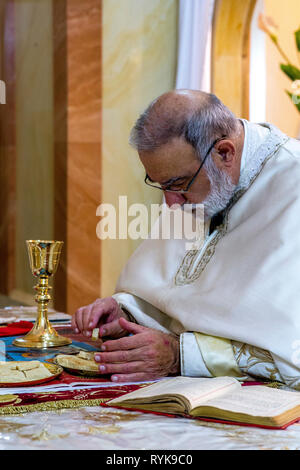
98	428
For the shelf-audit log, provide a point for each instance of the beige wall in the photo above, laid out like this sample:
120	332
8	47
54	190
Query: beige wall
139	63
279	108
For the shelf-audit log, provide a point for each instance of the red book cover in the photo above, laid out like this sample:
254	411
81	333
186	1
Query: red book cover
212	420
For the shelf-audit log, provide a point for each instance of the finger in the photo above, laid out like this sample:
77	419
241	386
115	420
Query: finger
120	356
111	329
131	327
79	317
100	308
125	368
129	342
97	316
73	322
85	320
136	377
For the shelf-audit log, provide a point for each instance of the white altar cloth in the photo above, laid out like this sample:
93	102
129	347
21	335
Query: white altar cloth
96	428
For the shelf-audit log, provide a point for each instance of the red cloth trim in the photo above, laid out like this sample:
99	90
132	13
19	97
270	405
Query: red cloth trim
27	399
16	328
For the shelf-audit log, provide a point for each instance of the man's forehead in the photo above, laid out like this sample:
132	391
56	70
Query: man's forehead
170	160
177	151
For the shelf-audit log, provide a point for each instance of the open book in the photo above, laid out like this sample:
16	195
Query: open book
220	398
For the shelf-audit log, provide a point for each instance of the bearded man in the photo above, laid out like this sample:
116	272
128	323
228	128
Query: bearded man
231	307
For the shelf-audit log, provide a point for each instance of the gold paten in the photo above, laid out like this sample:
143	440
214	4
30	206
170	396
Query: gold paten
44	259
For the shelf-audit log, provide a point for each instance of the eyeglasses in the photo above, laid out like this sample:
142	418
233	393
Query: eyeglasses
149	182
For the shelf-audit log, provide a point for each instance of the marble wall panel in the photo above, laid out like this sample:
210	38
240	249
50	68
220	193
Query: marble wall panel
78	149
84	65
61	144
34	130
139	63
82	245
7	149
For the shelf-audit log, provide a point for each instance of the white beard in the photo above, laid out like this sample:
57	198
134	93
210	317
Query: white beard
222	190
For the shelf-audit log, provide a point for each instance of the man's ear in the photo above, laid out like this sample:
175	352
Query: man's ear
226	151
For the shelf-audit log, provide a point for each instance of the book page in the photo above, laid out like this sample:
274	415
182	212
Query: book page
196	390
257	401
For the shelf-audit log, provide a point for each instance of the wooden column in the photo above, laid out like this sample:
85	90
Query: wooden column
77	94
7	149
230	53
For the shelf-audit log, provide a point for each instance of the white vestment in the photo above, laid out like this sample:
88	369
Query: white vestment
242	288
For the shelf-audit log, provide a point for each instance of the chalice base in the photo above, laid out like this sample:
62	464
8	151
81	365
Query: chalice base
41	339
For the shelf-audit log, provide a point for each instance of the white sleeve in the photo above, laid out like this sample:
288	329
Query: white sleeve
144	313
191	360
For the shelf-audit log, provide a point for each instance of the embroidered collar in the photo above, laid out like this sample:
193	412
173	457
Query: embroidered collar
195	261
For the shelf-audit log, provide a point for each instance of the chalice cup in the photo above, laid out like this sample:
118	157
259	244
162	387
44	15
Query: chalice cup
44	259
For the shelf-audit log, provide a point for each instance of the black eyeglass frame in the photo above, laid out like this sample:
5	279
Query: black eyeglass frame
182	191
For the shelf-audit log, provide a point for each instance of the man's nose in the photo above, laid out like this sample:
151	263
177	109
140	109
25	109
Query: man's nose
174	198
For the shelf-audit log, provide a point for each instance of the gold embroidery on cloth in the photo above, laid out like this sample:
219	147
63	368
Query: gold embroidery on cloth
292	381
274	385
10	427
184	275
44	435
10	398
107	417
101	430
107	422
248	356
50	406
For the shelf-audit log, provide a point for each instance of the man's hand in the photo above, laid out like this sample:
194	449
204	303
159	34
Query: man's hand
148	354
105	312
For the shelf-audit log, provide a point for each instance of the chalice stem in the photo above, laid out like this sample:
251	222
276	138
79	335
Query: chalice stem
43	298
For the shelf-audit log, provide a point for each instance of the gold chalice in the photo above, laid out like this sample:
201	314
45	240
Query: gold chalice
44	258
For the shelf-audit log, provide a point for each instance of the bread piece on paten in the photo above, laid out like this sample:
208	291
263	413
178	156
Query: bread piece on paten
76	362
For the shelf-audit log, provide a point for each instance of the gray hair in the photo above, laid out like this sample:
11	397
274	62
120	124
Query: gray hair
199	126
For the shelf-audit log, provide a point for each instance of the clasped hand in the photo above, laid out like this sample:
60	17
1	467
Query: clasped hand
145	355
